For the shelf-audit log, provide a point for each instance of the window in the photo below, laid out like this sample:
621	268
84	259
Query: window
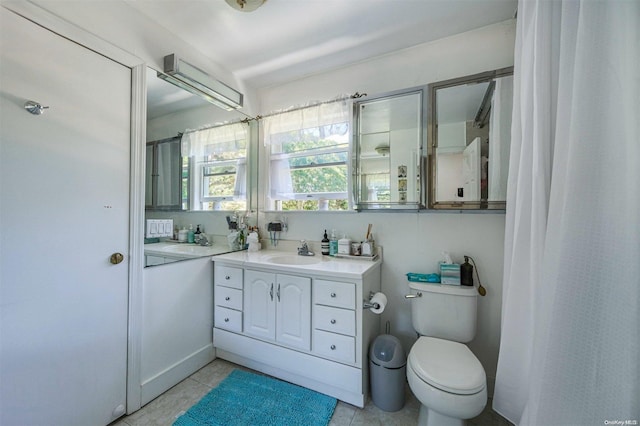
220	155
308	154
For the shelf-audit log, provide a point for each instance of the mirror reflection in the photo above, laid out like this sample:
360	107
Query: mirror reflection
469	132
196	175
388	151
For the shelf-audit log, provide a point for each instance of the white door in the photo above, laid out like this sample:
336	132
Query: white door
64	206
259	304
293	312
471	169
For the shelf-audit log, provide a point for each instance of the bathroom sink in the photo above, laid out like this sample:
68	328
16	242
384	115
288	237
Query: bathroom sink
293	259
187	249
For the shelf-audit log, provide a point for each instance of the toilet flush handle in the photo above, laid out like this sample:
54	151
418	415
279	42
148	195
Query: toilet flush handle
412	296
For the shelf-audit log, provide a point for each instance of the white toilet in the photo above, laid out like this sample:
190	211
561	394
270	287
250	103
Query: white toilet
443	373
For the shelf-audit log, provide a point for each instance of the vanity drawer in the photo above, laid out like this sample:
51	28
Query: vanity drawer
334	293
334	346
228	319
228	276
228	297
335	320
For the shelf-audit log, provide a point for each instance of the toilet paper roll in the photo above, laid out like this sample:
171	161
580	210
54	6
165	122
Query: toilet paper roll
381	300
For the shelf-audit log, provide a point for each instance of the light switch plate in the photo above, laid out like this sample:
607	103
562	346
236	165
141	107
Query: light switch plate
157	228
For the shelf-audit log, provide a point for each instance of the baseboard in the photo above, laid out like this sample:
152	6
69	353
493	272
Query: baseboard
176	373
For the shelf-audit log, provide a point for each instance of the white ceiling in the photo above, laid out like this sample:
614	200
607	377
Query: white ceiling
285	40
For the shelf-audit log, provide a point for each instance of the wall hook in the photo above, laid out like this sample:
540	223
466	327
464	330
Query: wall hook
34	107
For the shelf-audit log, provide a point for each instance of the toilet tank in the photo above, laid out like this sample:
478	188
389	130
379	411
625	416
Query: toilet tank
444	311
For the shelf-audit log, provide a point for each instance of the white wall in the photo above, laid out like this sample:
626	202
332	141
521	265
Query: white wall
413	241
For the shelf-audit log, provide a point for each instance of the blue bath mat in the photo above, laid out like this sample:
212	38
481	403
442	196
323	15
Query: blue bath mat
245	398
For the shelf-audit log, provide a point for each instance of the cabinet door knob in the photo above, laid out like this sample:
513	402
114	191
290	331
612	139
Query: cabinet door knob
227	277
333	295
333	321
333	347
227	298
226	320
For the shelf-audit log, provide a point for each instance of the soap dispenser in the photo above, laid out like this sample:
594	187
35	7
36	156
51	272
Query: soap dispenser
191	235
333	243
325	244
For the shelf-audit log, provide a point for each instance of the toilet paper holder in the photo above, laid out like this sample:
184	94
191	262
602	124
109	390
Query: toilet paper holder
369	305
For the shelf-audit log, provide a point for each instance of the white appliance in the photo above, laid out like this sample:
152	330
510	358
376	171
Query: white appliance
443	373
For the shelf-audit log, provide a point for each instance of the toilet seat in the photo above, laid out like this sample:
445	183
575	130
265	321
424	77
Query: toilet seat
448	366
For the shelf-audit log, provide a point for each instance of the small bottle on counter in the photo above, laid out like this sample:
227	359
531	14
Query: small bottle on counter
191	235
325	244
344	245
182	235
333	243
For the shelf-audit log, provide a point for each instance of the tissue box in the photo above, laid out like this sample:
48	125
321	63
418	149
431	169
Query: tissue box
450	273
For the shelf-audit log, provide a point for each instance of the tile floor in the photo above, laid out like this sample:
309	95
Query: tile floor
164	409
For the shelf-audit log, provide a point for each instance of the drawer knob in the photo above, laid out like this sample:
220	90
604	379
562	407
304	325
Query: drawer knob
333	295
227	277
333	321
227	298
333	347
226	320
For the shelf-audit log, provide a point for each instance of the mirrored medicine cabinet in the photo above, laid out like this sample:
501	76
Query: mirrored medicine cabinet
388	151
469	134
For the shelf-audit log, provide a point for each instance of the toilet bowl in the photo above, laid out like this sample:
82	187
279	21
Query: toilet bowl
448	380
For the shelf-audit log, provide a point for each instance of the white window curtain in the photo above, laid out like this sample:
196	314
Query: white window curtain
197	143
569	351
306	118
297	120
240	189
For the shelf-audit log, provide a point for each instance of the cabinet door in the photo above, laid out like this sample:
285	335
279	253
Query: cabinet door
259	305
293	322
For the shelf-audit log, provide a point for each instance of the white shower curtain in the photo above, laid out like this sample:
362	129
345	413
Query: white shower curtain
570	343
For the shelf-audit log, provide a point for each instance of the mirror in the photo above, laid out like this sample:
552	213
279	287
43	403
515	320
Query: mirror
469	132
388	151
173	176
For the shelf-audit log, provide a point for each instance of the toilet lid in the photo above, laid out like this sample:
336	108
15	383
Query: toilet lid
448	366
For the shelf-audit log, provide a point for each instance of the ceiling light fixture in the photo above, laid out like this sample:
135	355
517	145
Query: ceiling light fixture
198	82
383	149
245	5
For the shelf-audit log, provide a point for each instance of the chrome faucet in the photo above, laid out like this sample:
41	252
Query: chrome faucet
304	249
202	240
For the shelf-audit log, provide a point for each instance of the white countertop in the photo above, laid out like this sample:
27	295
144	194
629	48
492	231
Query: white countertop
325	265
176	250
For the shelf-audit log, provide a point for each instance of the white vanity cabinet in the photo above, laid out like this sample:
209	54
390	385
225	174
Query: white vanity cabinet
303	324
277	307
227	296
334	320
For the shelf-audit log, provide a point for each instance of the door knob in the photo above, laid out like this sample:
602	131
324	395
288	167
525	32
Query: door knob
116	258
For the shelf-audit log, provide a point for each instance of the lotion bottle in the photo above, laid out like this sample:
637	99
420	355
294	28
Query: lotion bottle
191	235
333	243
